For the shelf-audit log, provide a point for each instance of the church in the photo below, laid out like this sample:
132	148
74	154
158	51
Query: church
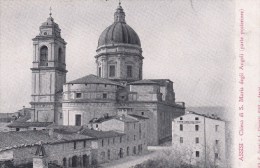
117	86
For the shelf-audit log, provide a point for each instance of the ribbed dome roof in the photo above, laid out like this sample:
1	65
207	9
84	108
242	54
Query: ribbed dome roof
119	31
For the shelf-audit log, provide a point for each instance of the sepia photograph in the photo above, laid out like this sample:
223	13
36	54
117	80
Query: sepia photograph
121	83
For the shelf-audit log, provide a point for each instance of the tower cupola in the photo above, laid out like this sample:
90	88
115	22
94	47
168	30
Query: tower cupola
119	15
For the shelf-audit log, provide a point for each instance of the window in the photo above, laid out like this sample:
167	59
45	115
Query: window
196	118
113	140
78	120
104	95
108	154
78	95
181	139
142	113
197	140
216	128
129	71
216	155
44	56
181	127
196	127
197	154
99	71
108	141
60	55
127	151
134	125
84	144
34	128
134	150
75	145
134	137
60	115
120	139
217	142
96	125
17	129
181	118
112	71
102	142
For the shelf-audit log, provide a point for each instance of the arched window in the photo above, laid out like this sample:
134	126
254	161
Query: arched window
44	56
74	161
64	162
60	55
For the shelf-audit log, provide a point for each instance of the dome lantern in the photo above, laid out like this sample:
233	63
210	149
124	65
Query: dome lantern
119	15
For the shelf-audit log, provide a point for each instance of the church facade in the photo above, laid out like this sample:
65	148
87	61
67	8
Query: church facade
117	87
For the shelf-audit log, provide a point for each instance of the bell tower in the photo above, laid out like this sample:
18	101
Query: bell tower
48	73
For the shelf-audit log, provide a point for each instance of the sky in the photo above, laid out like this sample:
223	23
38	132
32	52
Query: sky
189	42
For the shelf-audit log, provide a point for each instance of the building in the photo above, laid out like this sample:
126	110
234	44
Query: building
25	126
117	84
200	139
62	147
48	72
134	141
72	146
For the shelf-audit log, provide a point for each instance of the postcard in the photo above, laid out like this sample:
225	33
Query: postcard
133	84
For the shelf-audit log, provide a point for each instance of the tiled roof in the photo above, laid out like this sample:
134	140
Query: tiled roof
24	118
138	117
120	118
101	119
144	81
65	129
214	117
17	124
16	139
100	134
161	82
93	79
125	119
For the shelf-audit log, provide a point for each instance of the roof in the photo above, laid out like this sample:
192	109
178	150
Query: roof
16	139
144	81
161	82
82	130
119	32
120	118
93	79
101	119
24	118
100	134
65	129
17	124
214	117
138	117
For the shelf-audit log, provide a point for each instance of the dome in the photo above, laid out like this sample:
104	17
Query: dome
119	31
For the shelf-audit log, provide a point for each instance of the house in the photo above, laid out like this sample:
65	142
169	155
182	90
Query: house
199	139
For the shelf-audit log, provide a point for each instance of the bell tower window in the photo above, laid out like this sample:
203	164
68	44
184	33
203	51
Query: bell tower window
44	56
60	55
99	71
129	71
112	71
